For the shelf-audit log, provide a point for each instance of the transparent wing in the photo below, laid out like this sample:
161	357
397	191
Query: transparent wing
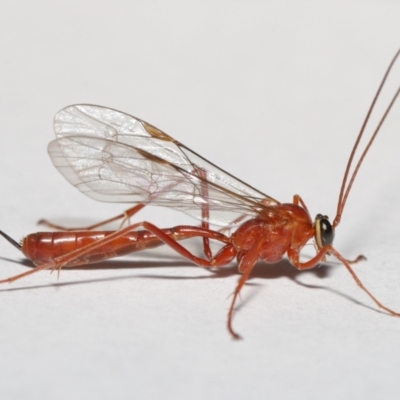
114	157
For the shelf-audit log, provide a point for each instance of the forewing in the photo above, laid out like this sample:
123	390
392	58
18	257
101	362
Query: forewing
114	157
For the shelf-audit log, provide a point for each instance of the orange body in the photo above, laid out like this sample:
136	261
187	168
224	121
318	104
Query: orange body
114	157
46	247
277	236
287	230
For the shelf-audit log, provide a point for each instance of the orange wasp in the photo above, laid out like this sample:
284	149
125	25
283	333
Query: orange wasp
114	157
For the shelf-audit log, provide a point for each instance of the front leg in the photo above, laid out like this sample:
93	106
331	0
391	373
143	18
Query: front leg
294	255
294	258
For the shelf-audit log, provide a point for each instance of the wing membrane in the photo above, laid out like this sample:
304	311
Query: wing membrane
114	157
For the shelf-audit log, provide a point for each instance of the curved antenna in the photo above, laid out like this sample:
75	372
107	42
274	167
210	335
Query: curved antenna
345	190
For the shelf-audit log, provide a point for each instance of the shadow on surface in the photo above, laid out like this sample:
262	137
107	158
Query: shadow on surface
282	269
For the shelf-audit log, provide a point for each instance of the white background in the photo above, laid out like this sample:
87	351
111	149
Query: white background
273	92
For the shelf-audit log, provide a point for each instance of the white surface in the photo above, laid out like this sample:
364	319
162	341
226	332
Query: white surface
273	92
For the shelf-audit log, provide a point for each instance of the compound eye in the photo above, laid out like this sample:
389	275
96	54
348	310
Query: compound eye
324	233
